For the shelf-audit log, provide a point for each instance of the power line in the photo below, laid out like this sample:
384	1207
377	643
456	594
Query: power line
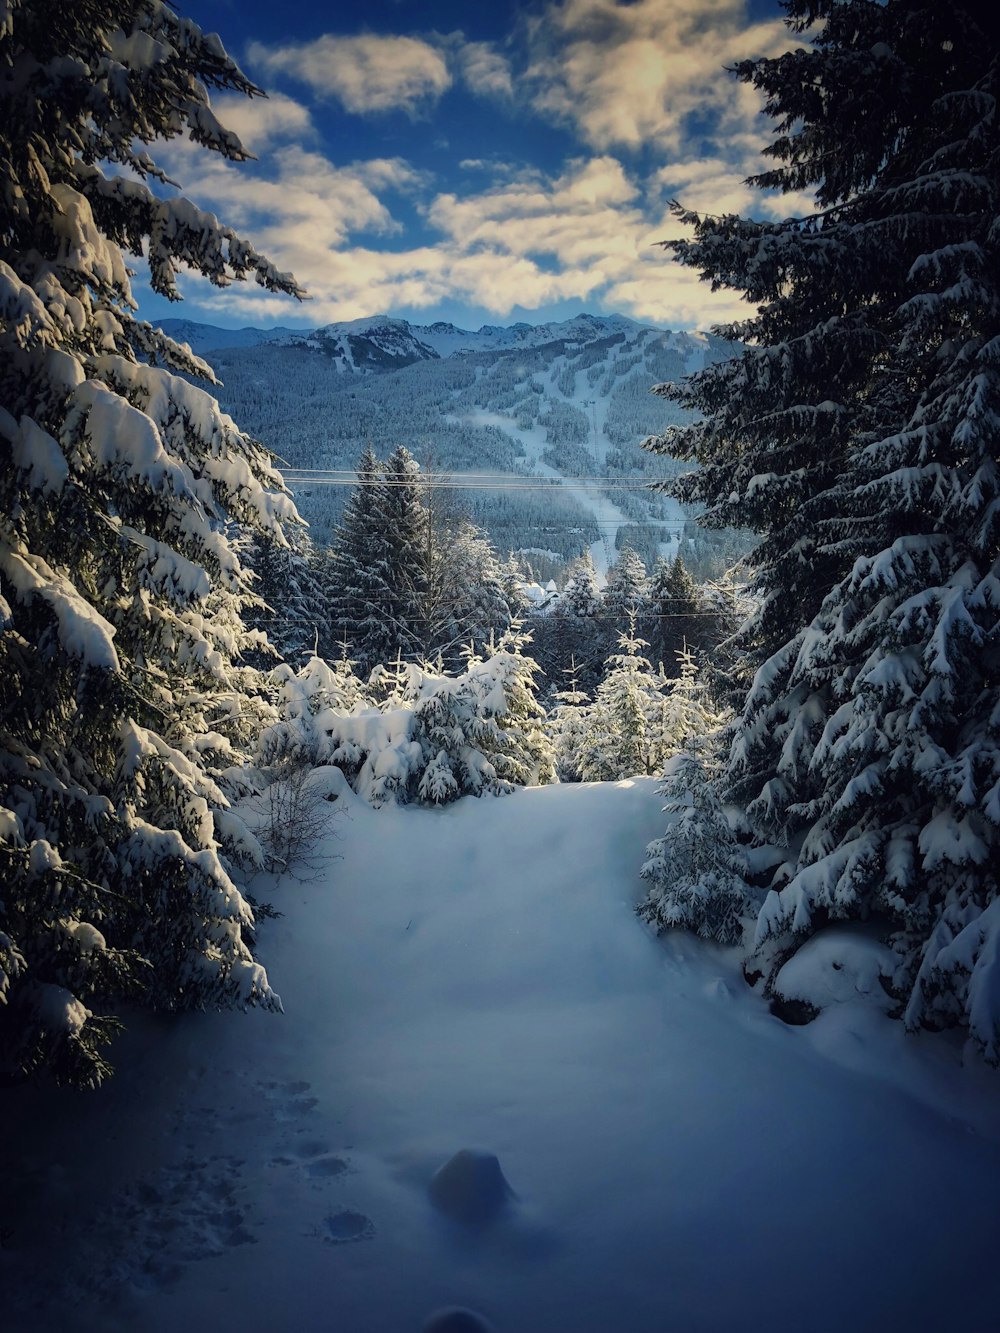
528	484
429	479
584	620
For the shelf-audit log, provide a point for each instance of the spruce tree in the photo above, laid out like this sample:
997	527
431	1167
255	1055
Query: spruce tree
581	597
122	701
856	432
406	541
359	596
626	588
471	599
624	734
671	606
294	617
697	870
567	724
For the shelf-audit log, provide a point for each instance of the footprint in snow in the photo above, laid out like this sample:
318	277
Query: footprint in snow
345	1226
324	1168
289	1099
315	1160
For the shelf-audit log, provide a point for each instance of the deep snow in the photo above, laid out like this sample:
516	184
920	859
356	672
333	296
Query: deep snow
474	978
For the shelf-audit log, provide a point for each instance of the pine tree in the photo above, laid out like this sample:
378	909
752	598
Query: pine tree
520	747
575	630
697	870
567	724
472	600
422	734
581	597
295	617
121	701
623	732
857	432
404	529
359	597
687	720
672	604
626	588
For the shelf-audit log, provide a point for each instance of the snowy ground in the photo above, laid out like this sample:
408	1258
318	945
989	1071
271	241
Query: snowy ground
475	978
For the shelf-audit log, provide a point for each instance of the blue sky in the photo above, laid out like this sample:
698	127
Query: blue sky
482	164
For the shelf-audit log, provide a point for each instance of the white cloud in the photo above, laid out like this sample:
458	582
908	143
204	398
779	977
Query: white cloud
305	207
635	75
643	74
365	73
261	121
484	70
584	234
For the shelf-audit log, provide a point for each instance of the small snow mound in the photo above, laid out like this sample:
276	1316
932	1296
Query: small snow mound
837	965
470	1187
456	1319
328	782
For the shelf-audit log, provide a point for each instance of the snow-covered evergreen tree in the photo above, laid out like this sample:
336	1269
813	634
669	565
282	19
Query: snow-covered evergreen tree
686	719
358	572
857	433
295	614
581	597
626	588
307	700
407	541
407	578
671	609
521	749
623	736
420	734
567	724
697	870
121	703
472	598
575	629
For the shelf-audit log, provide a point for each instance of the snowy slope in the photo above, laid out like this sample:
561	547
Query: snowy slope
475	978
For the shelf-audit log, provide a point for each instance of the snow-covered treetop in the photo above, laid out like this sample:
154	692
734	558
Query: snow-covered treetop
98	84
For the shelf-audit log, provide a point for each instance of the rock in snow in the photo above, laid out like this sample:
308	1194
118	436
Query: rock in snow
470	1187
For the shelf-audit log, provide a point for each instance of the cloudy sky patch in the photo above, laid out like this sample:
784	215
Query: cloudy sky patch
433	162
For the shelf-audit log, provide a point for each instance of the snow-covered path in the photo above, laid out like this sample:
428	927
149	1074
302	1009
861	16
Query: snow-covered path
474	978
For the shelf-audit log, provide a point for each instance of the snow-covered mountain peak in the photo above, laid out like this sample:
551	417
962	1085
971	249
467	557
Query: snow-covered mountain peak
376	342
382	342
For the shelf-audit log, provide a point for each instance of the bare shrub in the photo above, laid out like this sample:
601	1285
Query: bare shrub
294	815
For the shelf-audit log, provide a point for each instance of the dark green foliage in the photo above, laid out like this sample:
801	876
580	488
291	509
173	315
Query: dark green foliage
857	434
410	579
122	696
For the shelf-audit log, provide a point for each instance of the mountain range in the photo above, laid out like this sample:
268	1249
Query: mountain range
380	342
555	413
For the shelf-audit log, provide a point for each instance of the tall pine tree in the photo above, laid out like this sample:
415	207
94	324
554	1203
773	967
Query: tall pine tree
122	700
857	433
408	554
358	567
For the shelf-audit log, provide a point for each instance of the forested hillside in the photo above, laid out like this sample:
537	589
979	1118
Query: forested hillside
547	402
